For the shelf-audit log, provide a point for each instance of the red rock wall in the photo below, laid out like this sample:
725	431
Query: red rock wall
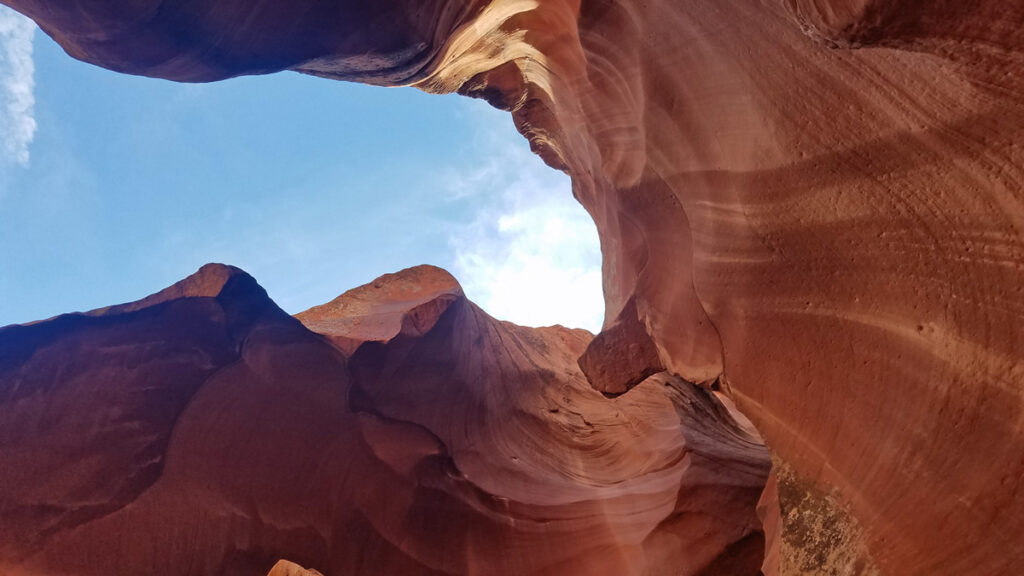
204	431
816	202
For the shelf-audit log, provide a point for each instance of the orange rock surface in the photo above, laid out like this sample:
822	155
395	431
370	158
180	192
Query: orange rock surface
817	204
204	431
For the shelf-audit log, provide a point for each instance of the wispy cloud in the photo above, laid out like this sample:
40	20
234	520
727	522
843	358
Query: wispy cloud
531	255
17	85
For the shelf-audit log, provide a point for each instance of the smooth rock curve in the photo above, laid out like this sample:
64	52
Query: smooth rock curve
202	430
816	203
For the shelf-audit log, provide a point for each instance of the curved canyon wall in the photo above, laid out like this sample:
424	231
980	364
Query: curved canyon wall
202	430
815	206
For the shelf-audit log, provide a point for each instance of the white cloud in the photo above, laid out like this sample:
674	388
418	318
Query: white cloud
17	85
531	255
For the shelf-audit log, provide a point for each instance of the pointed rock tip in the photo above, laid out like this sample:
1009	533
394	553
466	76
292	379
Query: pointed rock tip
207	282
286	568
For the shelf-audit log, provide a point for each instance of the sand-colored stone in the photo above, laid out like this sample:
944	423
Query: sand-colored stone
286	568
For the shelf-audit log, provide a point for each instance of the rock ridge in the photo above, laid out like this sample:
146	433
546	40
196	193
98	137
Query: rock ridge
429	438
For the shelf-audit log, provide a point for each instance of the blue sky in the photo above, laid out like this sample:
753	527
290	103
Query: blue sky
113	187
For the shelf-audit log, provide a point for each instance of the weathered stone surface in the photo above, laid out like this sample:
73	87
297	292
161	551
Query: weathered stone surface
621	356
409	303
286	568
204	431
817	202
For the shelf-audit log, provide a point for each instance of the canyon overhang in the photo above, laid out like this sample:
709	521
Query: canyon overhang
816	206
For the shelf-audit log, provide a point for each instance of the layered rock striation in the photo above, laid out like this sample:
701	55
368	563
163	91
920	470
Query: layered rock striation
204	431
816	204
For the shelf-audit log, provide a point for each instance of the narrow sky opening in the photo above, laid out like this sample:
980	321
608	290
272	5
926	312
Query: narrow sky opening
113	187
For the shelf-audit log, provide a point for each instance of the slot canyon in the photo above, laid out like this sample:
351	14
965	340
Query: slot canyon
811	217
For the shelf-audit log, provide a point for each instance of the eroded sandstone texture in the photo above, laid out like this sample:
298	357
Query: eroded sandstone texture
204	431
816	203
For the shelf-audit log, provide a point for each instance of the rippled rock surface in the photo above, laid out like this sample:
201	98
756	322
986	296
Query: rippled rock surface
204	431
814	205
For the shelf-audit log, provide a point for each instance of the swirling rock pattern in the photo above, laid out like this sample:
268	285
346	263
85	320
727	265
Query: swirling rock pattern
204	431
817	204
